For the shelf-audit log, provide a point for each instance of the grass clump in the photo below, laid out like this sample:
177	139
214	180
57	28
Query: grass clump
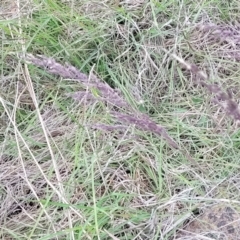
119	119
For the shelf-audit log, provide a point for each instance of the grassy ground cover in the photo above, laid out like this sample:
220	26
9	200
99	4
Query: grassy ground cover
119	119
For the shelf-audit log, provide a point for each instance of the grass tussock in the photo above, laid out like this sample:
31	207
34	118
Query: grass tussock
119	119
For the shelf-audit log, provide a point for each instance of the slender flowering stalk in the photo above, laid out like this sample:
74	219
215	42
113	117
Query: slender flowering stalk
101	91
143	122
106	93
223	99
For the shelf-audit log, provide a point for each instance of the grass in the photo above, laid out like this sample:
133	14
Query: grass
78	168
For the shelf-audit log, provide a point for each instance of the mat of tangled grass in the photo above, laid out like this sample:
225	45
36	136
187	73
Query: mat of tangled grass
120	120
216	222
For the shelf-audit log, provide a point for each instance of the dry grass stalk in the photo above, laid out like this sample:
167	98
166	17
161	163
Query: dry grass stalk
143	122
225	35
104	94
104	91
223	99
